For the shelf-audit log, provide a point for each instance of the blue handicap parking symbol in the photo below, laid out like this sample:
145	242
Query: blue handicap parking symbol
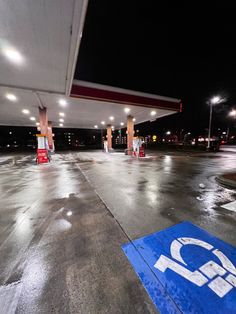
186	270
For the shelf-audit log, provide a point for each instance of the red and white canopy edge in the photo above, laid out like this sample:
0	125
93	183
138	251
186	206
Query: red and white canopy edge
87	90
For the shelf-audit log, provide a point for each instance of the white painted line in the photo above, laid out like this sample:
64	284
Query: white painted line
225	261
211	269
175	251
231	279
220	286
194	241
230	206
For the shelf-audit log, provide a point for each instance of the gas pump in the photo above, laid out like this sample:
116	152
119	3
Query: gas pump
105	144
43	149
138	147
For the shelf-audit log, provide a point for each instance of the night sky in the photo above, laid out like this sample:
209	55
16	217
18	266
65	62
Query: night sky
183	50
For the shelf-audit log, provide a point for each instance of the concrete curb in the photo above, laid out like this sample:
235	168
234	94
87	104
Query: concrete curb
226	182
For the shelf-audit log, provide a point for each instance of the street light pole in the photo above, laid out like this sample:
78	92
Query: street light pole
215	100
227	135
232	114
209	129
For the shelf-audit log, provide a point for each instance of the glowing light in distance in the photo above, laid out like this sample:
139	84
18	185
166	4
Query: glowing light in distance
95	126
215	100
111	118
62	102
103	122
60	124
32	118
13	55
37	123
134	119
127	110
69	213
25	111
61	120
153	113
168	132
232	113
11	97
122	123
61	114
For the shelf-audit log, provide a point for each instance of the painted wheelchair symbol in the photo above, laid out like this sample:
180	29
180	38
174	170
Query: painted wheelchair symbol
221	286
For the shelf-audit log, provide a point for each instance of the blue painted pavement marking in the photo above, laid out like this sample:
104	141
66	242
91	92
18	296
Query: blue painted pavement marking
186	270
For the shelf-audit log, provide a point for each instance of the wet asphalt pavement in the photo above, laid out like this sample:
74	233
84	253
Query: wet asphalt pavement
150	194
59	245
62	224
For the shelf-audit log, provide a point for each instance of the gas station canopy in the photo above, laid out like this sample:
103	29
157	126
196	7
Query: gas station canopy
91	105
39	46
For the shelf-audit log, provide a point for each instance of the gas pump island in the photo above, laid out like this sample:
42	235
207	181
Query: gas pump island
42	149
45	144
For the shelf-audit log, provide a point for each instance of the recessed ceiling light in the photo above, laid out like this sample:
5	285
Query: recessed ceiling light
69	213
60	124
37	123
11	97
102	122
112	127
122	123
127	110
32	118
13	55
95	126
62	102
25	111
134	119
153	113
61	114
61	120
111	118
